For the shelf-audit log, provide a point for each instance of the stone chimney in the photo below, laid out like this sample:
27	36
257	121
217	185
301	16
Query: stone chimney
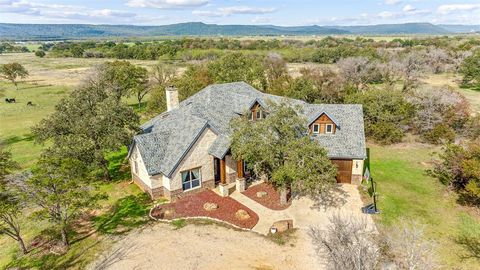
172	98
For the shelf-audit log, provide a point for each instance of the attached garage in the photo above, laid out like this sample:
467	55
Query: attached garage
344	170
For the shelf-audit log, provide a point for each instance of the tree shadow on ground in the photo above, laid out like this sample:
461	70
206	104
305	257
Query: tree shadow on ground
332	198
471	245
126	214
46	256
115	255
16	139
118	165
469	237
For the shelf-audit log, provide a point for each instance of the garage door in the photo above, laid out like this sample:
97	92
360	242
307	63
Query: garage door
344	170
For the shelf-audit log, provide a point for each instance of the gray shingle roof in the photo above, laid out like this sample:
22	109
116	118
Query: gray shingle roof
167	137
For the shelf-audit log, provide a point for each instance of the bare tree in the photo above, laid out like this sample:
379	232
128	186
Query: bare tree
162	74
437	106
437	60
357	71
409	247
347	243
276	73
390	72
327	82
411	67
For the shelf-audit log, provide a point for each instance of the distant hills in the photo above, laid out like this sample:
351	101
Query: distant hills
82	31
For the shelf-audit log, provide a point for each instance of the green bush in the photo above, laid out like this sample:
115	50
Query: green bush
386	113
440	133
40	53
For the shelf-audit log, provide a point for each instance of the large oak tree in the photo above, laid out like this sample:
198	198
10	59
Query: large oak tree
92	121
279	148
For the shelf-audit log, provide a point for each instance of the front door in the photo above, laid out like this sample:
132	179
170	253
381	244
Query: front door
216	170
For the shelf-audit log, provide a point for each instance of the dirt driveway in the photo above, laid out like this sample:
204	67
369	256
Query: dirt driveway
205	247
160	246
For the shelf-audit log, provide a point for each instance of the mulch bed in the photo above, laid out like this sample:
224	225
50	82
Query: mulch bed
192	206
271	200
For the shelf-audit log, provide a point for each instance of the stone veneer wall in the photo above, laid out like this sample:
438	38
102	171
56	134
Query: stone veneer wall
179	193
154	193
357	171
231	169
197	157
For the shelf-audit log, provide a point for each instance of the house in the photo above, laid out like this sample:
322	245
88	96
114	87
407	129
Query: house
186	148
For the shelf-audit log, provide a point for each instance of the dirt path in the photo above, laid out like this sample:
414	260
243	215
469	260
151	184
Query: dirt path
214	247
160	246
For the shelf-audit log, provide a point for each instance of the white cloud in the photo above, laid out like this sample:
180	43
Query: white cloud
207	13
166	4
408	8
227	11
245	10
447	9
65	13
392	2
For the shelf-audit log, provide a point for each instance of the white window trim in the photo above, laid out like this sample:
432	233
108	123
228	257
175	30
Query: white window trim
190	171
135	166
259	114
326	129
313	128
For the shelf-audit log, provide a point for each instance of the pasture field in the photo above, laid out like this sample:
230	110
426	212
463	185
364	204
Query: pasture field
407	193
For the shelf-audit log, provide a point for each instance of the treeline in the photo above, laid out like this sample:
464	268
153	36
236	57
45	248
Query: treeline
6	47
389	90
327	50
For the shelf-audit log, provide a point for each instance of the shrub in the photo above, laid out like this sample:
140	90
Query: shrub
387	114
459	167
40	53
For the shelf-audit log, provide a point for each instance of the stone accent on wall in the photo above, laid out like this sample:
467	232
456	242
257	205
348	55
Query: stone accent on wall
197	157
356	179
231	177
154	193
240	184
231	169
179	193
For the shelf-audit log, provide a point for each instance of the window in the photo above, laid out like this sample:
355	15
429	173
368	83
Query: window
316	128
191	179
259	114
135	167
329	129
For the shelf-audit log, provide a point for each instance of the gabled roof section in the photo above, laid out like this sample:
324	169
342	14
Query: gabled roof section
259	101
220	147
319	114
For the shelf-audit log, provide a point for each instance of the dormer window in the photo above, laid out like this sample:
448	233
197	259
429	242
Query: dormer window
322	123
329	129
256	112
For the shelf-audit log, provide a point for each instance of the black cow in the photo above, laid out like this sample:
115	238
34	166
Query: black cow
10	100
29	103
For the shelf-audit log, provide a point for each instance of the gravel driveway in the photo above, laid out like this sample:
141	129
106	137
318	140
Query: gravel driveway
160	246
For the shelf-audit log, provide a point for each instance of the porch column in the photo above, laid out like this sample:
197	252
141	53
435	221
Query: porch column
222	171
240	173
240	183
223	187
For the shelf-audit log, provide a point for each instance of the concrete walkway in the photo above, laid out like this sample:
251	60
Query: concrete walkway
305	212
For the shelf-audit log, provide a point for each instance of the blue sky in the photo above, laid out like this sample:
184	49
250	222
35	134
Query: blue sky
291	12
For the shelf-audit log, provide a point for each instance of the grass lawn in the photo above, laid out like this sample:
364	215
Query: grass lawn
18	118
125	208
406	192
